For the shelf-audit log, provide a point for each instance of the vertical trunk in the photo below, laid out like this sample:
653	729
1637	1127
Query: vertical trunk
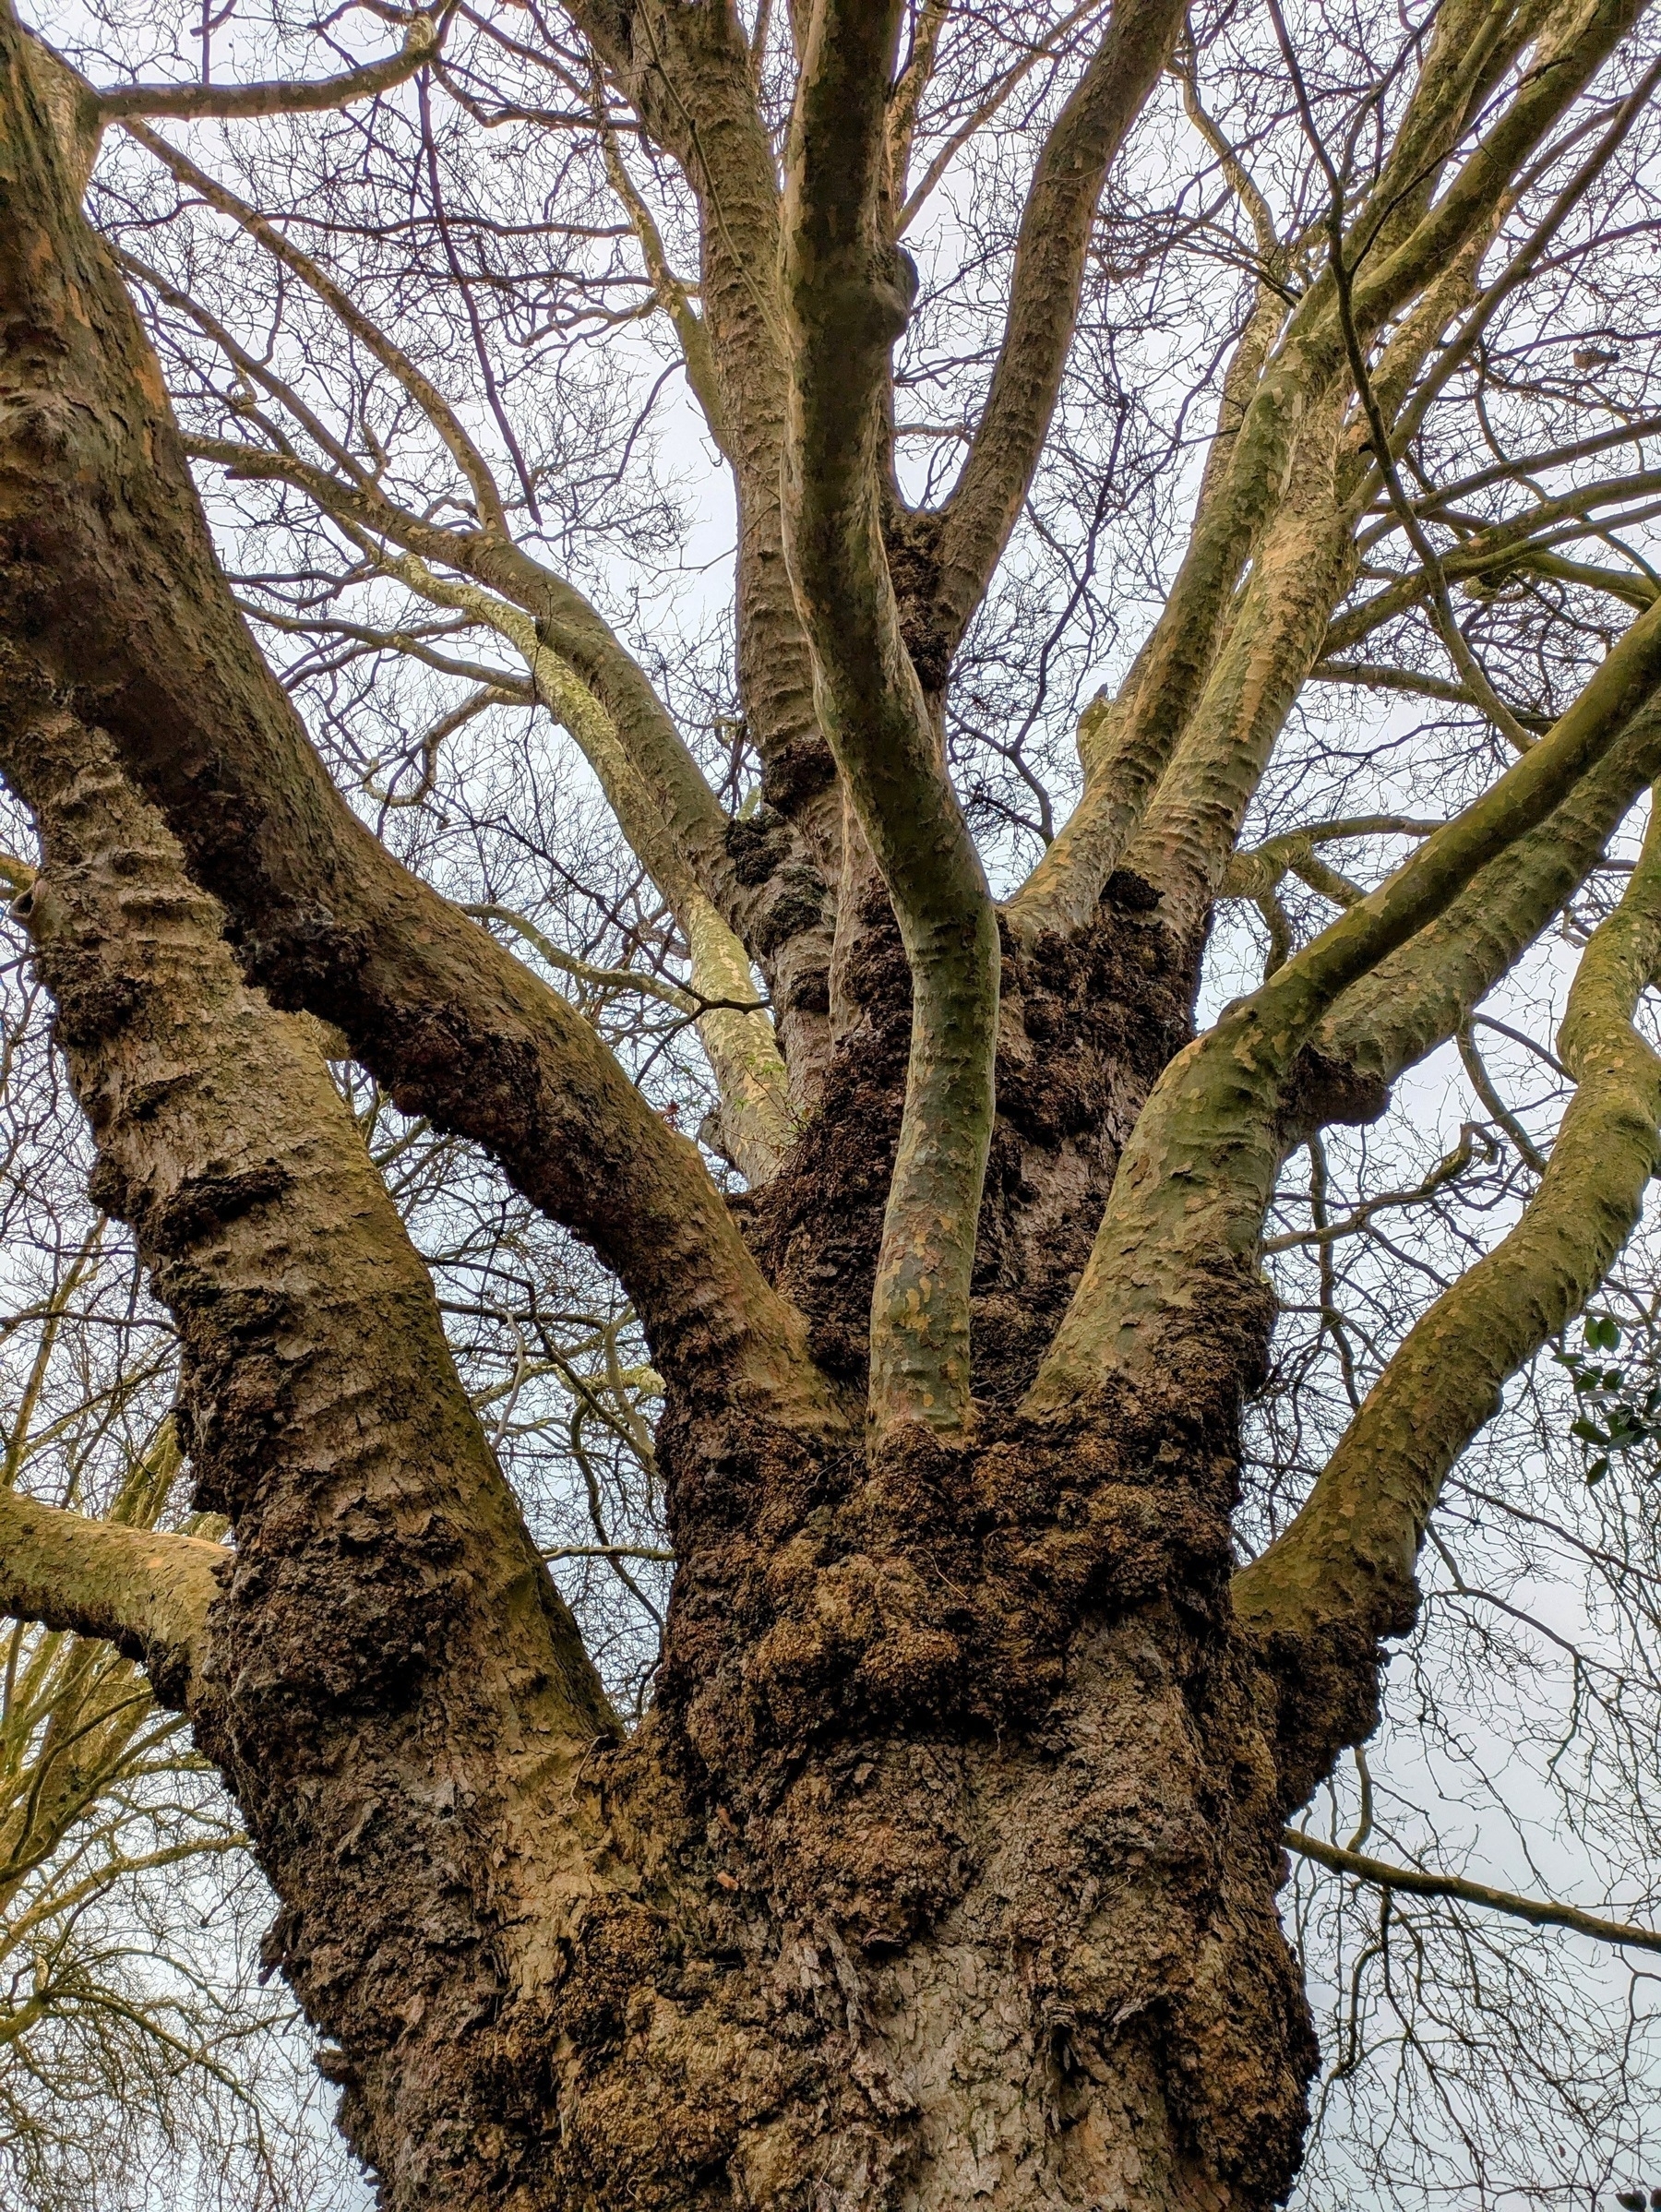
980	1838
975	1796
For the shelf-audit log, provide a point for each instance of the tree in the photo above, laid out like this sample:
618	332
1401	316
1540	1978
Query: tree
944	1862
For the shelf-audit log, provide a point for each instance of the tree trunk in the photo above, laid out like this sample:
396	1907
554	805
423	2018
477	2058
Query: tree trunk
945	1868
1023	1953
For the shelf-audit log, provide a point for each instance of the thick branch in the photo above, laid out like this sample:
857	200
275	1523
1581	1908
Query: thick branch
693	80
146	1591
390	1678
1182	1224
1312	353
1346	1562
848	294
1299	573
689	73
1122	753
1300	570
1418	997
107	567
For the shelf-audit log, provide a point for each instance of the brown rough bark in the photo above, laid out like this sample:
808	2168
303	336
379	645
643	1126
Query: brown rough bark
944	1869
953	1823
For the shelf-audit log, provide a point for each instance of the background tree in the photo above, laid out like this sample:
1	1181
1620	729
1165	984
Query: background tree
1030	1568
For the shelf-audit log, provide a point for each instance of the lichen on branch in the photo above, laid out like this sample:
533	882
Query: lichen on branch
1346	1561
848	289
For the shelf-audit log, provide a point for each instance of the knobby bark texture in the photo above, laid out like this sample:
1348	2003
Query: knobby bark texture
943	1870
852	1915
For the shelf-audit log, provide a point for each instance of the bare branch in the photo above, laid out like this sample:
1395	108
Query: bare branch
422	40
1181	1228
1415	1881
420	386
1344	1568
849	292
1419	996
144	1590
696	350
1411	245
1056	226
466	1032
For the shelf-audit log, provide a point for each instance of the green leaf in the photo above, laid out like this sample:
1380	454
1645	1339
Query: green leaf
1596	1472
1588	1431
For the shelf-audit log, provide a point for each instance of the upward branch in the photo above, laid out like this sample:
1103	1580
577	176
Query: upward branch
1183	1220
1401	241
107	565
1048	276
1346	1565
848	291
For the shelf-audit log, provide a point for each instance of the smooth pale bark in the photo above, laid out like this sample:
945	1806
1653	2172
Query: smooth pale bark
848	292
